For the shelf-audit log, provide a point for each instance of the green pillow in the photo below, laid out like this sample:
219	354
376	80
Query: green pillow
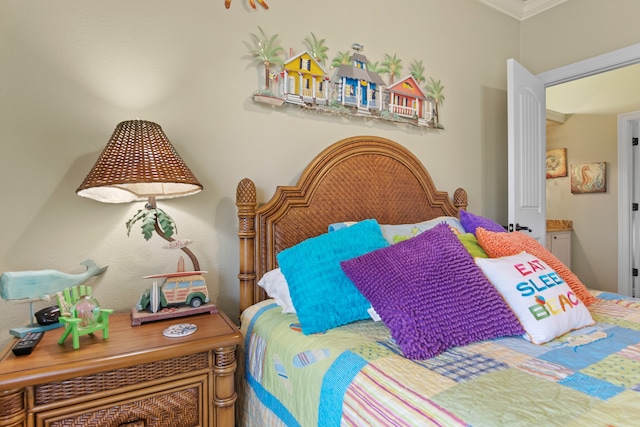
471	243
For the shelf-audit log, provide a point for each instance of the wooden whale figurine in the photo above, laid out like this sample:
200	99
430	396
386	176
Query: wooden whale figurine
38	285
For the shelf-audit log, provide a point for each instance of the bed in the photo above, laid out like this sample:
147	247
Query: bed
368	297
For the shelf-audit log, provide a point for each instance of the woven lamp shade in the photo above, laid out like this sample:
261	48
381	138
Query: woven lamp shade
138	162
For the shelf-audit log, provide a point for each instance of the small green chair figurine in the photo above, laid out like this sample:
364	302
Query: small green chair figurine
81	314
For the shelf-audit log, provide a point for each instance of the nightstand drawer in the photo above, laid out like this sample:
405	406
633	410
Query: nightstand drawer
177	404
85	386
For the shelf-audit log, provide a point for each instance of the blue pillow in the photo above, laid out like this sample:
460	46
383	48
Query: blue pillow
321	293
470	222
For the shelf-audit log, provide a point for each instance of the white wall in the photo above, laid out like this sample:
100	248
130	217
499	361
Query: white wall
71	70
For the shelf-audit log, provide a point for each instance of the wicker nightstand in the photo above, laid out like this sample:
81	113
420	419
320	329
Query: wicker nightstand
137	377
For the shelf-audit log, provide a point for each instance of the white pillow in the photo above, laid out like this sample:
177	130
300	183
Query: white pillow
274	283
394	233
543	302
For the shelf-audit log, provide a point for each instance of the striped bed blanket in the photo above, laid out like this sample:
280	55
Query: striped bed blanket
355	375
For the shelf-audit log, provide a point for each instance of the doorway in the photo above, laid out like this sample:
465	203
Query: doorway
627	124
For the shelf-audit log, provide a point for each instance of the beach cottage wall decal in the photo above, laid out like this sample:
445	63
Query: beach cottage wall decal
351	85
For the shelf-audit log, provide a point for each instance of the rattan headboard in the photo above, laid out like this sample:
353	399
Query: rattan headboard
354	179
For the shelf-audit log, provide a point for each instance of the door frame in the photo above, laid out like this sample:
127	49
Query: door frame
606	62
627	128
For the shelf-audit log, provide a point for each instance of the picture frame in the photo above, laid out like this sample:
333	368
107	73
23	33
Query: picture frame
589	178
556	162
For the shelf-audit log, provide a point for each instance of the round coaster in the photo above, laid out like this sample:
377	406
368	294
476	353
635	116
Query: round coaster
179	330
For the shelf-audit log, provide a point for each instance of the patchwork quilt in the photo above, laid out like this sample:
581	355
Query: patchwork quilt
355	375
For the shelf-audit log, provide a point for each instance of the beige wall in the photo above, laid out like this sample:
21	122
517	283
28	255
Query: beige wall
576	30
71	70
588	138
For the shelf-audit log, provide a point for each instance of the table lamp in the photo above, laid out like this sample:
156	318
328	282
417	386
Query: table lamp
139	163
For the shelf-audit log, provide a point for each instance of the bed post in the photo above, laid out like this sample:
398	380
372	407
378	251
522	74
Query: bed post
460	198
246	203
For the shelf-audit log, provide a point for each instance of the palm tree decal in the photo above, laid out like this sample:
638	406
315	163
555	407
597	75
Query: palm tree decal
391	65
342	58
317	48
266	52
374	67
434	91
417	71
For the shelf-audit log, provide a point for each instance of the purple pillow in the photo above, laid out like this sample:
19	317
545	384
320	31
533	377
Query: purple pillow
429	292
470	222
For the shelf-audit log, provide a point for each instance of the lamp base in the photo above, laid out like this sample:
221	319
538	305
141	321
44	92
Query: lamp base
140	317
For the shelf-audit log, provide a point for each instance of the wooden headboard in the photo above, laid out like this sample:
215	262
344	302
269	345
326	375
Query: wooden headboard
354	179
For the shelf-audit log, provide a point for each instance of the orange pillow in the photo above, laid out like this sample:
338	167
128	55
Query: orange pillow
506	244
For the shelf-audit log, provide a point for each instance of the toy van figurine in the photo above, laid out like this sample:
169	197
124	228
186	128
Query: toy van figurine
185	288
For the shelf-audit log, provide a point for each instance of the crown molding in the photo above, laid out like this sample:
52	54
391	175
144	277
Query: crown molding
555	117
521	9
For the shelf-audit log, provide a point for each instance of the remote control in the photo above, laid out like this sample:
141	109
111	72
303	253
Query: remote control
27	343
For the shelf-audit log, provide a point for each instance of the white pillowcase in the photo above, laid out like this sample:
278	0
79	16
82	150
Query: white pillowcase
275	285
543	302
394	233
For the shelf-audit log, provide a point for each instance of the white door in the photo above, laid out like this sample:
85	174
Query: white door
527	151
292	85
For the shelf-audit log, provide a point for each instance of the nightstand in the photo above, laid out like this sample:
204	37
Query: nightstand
137	377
